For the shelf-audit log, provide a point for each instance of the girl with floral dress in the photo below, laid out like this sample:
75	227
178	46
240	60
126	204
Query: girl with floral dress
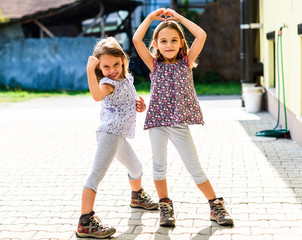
110	82
174	105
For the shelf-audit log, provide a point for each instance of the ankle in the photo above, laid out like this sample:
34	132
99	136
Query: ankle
216	202
135	194
87	214
214	199
141	189
165	199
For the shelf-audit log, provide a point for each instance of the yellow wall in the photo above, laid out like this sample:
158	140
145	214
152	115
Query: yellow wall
273	15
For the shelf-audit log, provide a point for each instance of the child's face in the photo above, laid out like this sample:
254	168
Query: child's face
168	43
111	67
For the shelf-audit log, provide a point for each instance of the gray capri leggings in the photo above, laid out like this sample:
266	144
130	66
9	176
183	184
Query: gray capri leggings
181	138
110	146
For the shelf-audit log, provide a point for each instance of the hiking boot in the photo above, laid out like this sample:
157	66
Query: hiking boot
218	212
166	213
91	226
141	199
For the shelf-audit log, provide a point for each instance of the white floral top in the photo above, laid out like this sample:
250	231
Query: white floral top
118	110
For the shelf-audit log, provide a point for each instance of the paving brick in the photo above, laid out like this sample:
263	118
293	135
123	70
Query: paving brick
231	230
258	237
287	237
133	236
17	234
53	235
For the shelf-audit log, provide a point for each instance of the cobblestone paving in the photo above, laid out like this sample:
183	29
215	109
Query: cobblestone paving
46	151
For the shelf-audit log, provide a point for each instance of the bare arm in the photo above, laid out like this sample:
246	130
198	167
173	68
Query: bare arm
138	37
98	93
199	34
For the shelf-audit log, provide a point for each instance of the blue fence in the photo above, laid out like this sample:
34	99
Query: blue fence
50	63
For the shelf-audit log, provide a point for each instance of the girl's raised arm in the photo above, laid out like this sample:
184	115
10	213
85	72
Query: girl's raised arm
97	92
199	34
138	37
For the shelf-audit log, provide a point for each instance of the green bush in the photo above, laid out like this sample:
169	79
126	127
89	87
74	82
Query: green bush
209	77
225	88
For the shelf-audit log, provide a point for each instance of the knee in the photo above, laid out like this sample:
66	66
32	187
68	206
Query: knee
94	180
159	171
136	173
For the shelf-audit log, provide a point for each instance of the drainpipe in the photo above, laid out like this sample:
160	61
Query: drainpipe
244	41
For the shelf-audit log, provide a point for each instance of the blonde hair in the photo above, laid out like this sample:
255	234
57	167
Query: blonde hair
172	25
110	46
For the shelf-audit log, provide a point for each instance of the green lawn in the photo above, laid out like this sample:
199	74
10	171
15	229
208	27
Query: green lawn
143	88
22	95
228	88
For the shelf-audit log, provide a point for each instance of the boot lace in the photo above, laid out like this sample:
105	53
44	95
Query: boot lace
146	197
166	208
97	223
219	207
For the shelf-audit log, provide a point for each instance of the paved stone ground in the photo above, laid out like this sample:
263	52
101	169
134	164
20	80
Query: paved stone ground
46	151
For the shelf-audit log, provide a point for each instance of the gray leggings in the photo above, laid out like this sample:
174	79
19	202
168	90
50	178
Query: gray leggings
110	146
181	138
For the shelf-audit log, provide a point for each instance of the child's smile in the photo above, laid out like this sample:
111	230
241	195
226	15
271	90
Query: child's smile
168	43
111	67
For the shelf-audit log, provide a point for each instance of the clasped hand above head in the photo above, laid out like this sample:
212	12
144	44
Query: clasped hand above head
163	14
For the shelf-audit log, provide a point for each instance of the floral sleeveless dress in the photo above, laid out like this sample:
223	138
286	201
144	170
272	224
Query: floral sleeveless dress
173	99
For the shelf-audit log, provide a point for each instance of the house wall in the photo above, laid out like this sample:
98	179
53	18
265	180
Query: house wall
275	14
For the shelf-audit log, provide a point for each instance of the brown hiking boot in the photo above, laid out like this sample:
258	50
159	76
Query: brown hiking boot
218	212
166	213
141	199
91	226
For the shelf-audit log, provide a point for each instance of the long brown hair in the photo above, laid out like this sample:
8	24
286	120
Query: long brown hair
172	25
110	46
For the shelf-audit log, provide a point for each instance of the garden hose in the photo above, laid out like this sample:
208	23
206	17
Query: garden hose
278	133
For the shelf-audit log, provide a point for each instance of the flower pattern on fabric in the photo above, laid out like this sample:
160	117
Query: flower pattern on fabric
118	110
173	97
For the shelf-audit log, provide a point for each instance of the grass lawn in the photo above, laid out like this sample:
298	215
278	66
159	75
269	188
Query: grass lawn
22	95
230	88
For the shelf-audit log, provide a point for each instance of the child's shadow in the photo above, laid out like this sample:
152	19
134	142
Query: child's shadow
135	225
207	232
163	231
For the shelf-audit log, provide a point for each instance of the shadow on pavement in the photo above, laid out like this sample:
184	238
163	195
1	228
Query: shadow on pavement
135	226
207	232
284	155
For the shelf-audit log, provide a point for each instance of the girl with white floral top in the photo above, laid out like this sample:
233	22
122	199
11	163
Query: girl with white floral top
110	82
